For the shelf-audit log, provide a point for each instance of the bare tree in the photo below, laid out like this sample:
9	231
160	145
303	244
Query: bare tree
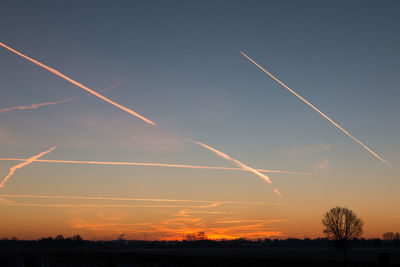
342	225
388	236
196	236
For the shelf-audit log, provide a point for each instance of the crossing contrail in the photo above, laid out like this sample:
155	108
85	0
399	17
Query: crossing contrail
237	163
37	105
153	165
316	109
130	111
27	162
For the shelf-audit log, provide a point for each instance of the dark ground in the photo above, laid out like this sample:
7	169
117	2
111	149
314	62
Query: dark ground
161	257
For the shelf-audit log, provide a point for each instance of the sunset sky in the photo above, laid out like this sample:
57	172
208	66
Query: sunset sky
177	64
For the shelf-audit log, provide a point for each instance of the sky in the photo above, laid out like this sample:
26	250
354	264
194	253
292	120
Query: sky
178	64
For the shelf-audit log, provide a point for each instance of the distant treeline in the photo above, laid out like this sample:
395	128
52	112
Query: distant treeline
77	242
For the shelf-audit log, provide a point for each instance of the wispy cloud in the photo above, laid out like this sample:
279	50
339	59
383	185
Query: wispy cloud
174	225
277	192
301	150
317	110
139	137
321	165
21	165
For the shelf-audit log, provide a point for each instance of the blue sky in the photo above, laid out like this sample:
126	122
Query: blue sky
178	63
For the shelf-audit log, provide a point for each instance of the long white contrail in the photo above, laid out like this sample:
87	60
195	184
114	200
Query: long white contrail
27	162
245	167
130	111
36	105
153	165
237	163
135	199
316	109
103	205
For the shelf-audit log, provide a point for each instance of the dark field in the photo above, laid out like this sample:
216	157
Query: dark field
200	257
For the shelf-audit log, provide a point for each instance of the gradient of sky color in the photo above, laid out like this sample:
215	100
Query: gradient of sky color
178	63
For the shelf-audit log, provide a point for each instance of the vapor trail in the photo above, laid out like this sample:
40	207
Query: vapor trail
153	165
316	109
115	85
130	111
27	162
104	205
37	105
237	163
212	202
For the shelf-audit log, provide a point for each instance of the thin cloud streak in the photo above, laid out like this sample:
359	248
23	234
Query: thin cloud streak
38	105
154	165
103	205
128	110
212	203
112	87
27	162
316	109
250	221
237	163
35	106
7	201
277	192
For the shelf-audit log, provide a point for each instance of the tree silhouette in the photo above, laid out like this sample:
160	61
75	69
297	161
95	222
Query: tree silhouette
59	238
342	225
77	238
391	236
196	236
